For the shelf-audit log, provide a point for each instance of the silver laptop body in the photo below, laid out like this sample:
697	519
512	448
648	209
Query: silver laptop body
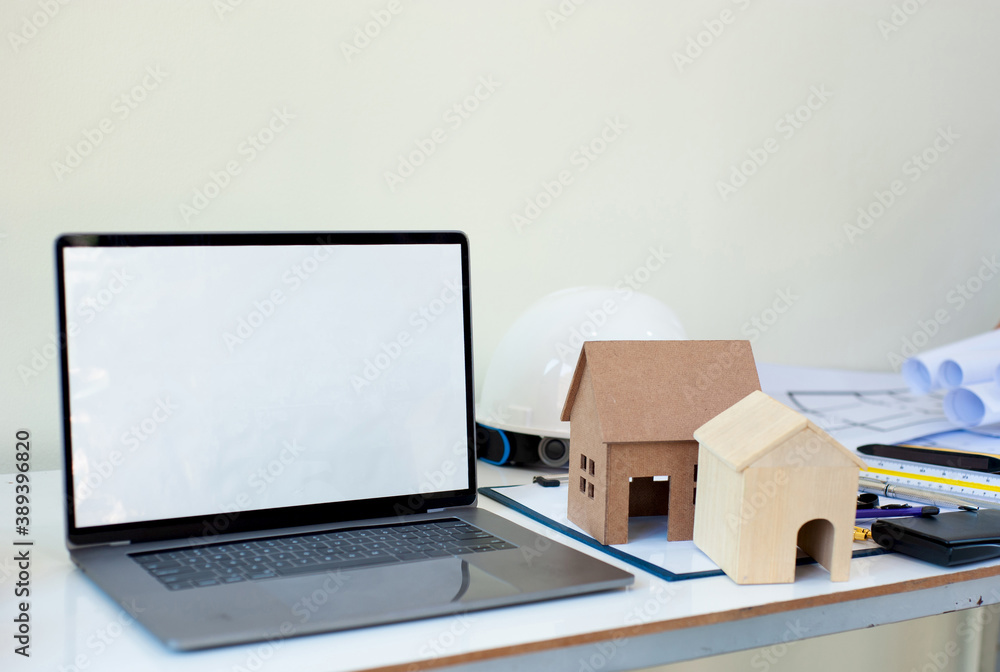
223	393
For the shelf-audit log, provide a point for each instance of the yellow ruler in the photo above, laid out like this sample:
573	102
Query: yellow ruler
934	478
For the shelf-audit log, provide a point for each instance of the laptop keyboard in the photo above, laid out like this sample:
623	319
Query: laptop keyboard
217	564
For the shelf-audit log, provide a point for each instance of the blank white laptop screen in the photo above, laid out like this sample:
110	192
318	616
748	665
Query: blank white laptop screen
231	378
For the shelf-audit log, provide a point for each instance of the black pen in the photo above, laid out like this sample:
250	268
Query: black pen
942	457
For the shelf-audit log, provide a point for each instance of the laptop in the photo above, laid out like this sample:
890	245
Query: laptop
269	435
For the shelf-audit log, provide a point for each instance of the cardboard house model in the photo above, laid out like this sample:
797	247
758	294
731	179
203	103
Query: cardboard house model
769	481
633	407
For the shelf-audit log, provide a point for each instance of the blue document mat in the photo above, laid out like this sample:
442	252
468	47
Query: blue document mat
647	549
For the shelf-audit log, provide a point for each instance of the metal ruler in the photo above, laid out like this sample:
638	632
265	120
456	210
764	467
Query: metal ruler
934	478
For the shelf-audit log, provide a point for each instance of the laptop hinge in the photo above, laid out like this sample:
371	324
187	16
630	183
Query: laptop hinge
435	510
120	543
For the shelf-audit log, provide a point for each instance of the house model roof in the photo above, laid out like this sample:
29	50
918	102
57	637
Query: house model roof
751	428
662	390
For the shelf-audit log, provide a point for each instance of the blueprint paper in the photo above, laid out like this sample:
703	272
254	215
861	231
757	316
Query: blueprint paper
856	407
921	371
974	405
968	368
960	439
986	430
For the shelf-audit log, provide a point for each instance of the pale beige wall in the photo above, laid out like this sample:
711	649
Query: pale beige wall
209	79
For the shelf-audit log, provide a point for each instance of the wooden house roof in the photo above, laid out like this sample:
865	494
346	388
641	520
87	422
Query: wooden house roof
751	428
662	390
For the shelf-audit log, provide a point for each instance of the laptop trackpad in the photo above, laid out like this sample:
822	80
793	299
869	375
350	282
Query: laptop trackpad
387	589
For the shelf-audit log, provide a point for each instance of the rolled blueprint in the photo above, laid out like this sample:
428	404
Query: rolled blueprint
921	371
967	368
974	405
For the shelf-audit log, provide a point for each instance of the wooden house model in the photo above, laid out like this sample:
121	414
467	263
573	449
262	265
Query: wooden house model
769	482
633	407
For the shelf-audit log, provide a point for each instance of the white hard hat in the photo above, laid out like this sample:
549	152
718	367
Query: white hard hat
532	367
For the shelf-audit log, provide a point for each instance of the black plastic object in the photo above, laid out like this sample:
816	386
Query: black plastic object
500	446
937	456
867	500
947	539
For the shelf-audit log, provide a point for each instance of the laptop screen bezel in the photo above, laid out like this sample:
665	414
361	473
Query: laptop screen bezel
209	526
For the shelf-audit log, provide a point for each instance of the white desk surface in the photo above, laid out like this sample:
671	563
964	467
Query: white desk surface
75	627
